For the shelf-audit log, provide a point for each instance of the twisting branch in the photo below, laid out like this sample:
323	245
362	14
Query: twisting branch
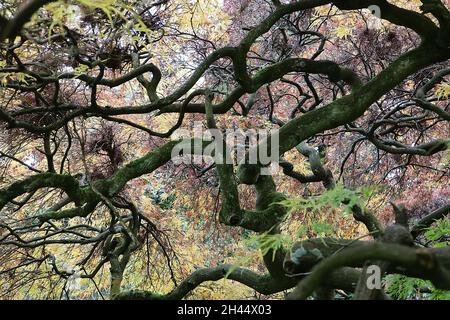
12	27
264	284
420	261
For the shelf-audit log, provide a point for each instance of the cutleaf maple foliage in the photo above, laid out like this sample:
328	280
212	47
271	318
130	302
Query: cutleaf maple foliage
96	95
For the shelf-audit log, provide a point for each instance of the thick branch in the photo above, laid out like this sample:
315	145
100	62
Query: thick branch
421	261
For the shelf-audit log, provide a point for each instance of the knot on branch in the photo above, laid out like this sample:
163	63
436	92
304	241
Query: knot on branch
234	220
304	255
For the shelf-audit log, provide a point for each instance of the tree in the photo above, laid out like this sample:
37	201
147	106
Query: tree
94	94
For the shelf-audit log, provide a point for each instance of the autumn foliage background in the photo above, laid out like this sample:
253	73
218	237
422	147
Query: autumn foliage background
181	202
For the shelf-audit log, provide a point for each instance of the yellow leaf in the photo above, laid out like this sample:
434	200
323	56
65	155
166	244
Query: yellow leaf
442	91
343	32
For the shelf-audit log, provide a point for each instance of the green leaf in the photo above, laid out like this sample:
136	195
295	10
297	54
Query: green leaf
322	228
